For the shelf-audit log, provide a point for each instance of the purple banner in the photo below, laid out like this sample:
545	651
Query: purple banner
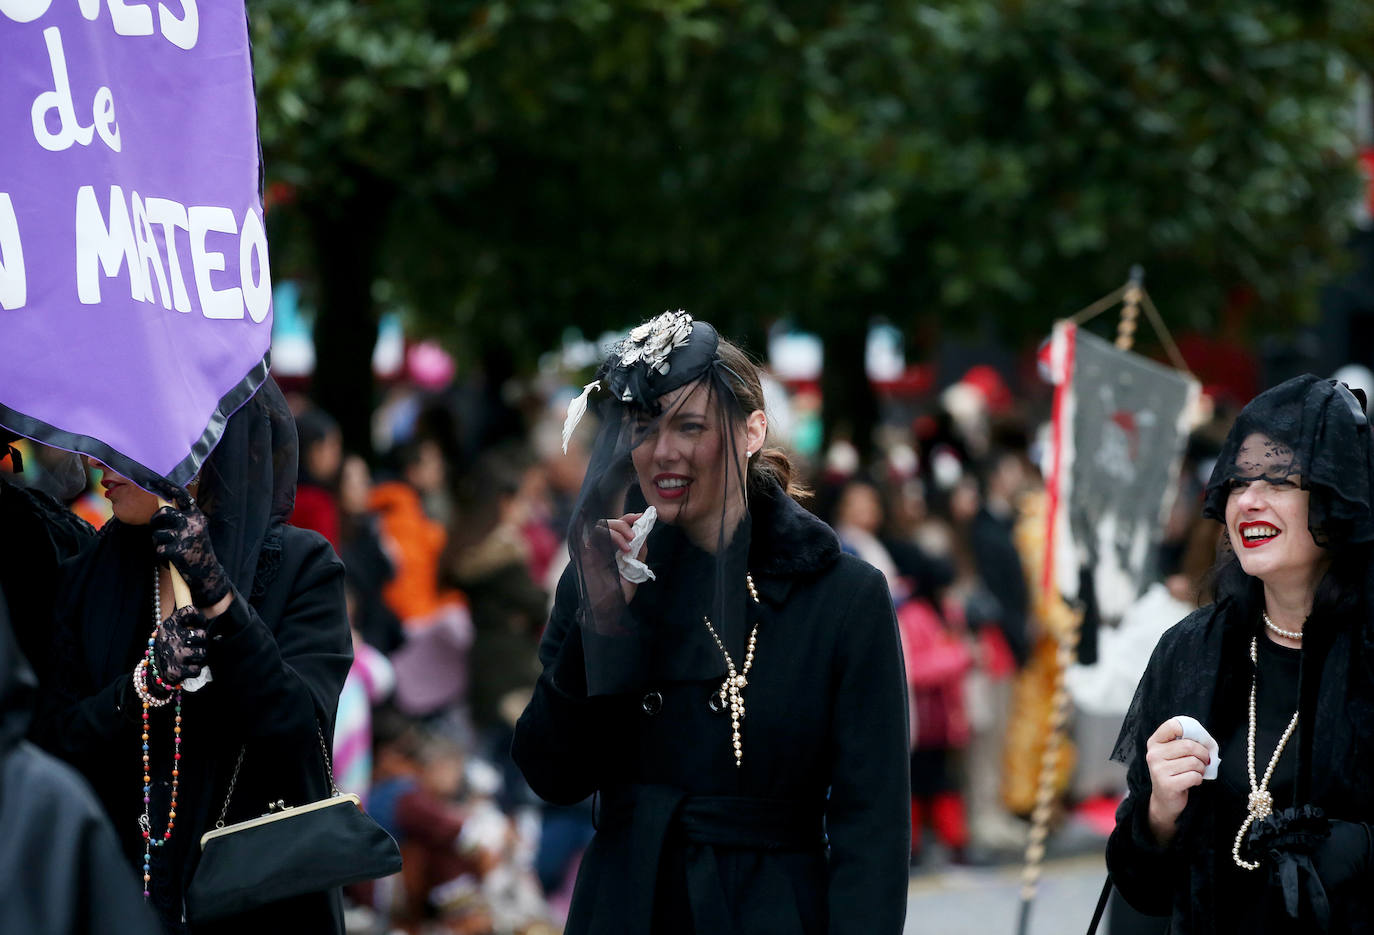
135	294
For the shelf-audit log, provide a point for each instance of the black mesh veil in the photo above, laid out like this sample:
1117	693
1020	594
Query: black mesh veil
671	442
248	488
1315	429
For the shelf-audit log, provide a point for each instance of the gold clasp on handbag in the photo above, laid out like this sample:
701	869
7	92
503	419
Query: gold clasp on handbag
277	806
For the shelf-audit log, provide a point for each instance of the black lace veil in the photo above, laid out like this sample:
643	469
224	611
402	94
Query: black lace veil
1315	429
665	380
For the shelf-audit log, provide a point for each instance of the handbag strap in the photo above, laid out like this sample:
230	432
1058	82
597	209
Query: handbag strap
1101	905
238	764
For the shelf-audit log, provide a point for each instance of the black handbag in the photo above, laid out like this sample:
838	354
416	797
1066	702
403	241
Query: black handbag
289	851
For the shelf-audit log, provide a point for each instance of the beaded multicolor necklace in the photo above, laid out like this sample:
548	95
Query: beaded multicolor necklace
732	689
148	664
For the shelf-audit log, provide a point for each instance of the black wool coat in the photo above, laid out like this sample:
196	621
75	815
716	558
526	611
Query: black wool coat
825	761
278	665
60	867
1201	668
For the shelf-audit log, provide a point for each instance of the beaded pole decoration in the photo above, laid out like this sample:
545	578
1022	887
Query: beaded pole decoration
732	689
148	664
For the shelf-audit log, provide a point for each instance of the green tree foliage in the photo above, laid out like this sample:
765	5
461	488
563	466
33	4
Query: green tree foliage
504	170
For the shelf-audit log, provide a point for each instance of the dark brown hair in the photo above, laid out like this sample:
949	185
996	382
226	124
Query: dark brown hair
769	463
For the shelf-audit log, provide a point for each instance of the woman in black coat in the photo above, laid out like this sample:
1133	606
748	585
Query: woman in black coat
267	622
1250	814
731	687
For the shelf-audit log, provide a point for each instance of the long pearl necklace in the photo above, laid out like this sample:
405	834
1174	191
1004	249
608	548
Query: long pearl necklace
148	664
1272	627
1261	801
732	689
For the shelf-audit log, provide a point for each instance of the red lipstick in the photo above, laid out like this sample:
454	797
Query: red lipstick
671	492
1256	542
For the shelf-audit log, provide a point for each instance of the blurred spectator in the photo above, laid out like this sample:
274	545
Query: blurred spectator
994	552
857	521
492	561
370	681
366	562
414	539
937	659
321	455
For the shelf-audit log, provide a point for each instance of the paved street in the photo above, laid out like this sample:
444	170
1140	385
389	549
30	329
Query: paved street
985	902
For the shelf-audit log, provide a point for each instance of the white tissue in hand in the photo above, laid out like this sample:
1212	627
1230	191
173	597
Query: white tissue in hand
199	682
1193	730
632	569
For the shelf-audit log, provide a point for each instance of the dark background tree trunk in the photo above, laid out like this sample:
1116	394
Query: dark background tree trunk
849	407
346	234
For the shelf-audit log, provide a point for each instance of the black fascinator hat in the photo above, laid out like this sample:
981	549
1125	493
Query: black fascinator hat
1316	430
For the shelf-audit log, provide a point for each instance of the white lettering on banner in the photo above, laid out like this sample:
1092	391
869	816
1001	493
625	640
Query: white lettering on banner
24	11
182	32
133	245
136	20
147	253
13	285
171	215
60	99
257	293
113	246
214	303
128	18
103	112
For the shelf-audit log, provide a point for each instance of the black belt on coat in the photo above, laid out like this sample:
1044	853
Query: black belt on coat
648	813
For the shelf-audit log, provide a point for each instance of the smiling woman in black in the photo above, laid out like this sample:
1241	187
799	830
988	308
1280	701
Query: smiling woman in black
1280	673
729	685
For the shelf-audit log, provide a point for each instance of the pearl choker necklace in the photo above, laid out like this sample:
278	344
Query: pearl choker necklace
1273	628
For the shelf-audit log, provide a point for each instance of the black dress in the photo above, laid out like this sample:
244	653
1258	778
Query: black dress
1201	667
812	833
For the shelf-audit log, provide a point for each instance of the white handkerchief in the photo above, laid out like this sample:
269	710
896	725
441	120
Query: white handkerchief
199	682
1193	730
632	569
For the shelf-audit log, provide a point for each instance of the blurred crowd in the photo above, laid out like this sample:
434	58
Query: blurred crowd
452	538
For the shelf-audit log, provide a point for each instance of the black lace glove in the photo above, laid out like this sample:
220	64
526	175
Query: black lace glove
181	535
180	645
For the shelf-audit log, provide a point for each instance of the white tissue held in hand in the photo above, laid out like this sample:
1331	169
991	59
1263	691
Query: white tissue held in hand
632	569
199	682
1193	730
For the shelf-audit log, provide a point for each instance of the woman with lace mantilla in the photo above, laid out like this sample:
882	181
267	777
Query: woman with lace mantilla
725	681
1257	820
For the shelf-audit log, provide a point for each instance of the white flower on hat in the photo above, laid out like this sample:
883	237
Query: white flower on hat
653	341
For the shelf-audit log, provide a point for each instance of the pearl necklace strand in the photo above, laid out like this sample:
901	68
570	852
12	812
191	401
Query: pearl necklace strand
1272	627
1261	801
732	689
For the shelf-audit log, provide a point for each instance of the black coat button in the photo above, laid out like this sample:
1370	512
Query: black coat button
652	703
714	702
